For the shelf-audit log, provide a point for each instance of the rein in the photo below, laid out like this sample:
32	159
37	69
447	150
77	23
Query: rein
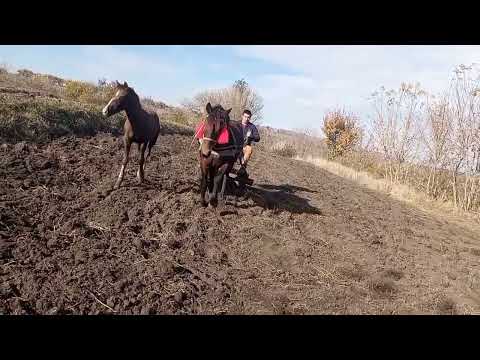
203	138
209	139
195	136
213	152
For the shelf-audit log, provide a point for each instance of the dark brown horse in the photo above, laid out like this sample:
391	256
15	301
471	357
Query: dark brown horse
141	127
216	161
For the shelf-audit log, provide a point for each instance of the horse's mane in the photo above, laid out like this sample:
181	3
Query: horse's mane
217	107
134	94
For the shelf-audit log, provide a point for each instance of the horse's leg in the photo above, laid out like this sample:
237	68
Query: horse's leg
216	182
224	185
210	178
153	140
151	143
127	142
203	186
149	148
225	179
140	173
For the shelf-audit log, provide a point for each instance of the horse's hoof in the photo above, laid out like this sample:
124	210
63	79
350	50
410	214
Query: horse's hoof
222	203
204	204
213	203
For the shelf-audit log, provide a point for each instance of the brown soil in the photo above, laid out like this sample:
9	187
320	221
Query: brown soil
301	240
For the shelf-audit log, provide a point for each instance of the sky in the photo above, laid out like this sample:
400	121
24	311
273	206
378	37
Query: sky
298	84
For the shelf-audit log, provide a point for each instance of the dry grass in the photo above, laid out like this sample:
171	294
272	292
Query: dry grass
40	107
284	149
399	192
26	79
38	119
290	144
179	116
79	91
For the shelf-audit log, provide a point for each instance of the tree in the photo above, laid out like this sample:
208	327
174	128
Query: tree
436	136
465	106
239	96
396	126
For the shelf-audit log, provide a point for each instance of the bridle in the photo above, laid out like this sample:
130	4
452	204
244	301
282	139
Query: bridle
218	131
214	141
203	138
209	139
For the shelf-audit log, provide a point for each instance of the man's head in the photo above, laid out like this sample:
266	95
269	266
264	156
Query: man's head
246	116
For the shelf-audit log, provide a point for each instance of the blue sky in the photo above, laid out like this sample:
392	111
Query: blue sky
298	83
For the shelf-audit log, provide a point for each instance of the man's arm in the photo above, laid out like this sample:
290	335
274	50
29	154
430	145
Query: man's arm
254	135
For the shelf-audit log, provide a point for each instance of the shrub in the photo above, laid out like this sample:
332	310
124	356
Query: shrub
284	149
89	93
342	132
43	119
79	90
177	116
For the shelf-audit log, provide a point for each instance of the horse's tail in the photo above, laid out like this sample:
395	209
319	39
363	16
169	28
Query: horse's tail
153	140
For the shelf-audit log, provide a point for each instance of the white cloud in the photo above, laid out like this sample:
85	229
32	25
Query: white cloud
150	75
329	76
299	84
306	102
116	63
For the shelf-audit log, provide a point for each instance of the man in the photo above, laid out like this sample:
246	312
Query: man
250	135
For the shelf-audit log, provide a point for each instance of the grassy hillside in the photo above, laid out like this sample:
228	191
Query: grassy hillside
39	107
38	119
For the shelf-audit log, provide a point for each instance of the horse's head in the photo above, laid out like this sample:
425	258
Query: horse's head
120	100
217	118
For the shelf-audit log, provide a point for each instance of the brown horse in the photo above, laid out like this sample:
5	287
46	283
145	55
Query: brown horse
216	161
141	127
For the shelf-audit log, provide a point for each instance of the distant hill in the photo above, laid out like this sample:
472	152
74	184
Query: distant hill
26	104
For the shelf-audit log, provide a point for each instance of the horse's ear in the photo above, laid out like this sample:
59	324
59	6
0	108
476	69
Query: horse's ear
125	84
117	83
228	111
209	108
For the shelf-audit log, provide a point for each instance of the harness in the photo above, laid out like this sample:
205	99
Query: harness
222	139
209	139
223	151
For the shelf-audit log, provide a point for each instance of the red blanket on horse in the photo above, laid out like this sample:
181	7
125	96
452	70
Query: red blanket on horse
223	137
